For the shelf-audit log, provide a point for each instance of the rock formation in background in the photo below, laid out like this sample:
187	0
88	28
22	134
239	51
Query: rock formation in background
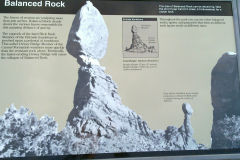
98	122
225	92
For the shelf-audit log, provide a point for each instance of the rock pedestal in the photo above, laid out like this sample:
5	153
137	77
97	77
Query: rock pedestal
98	112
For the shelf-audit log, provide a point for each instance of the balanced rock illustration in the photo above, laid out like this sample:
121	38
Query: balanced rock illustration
98	122
225	93
98	111
89	34
137	44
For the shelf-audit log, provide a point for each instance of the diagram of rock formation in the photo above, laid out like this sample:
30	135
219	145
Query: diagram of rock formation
140	37
138	45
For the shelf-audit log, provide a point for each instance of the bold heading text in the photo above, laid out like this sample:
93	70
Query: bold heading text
17	3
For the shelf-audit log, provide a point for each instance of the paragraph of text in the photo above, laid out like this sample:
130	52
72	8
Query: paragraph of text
190	22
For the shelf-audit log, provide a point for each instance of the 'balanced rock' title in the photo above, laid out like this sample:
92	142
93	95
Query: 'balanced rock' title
17	3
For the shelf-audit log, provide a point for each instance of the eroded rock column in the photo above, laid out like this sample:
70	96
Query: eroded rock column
225	93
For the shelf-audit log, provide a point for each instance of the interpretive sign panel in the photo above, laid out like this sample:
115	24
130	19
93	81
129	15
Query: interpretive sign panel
152	77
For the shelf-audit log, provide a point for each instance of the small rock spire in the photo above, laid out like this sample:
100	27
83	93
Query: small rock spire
187	110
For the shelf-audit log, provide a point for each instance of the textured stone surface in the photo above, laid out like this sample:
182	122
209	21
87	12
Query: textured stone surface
225	93
228	132
89	34
22	134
